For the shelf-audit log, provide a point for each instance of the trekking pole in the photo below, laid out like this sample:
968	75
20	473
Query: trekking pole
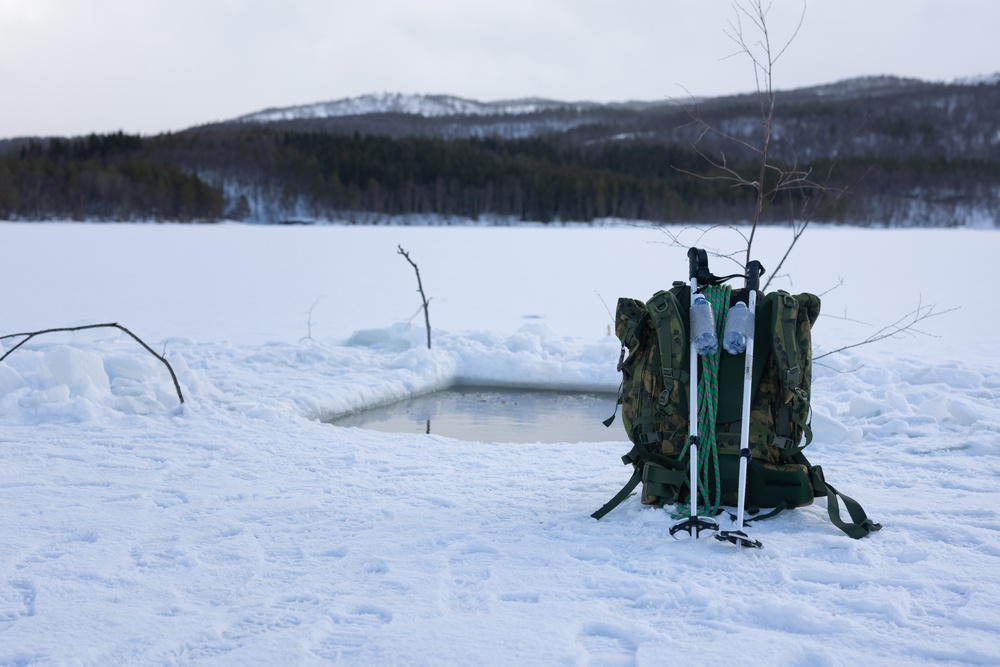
737	536
698	264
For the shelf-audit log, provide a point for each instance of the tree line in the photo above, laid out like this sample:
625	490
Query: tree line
100	177
539	179
269	174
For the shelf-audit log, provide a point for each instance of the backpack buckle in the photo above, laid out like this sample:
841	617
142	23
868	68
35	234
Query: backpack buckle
792	375
781	442
800	400
648	438
660	305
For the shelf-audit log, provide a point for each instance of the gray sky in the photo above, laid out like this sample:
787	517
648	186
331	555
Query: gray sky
72	67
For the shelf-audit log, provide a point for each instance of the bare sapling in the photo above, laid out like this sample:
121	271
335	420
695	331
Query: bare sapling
309	323
768	180
425	302
805	193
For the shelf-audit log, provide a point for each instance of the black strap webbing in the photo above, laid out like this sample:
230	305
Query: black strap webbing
621	495
860	525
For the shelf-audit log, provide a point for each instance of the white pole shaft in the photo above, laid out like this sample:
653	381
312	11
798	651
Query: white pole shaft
693	411
745	424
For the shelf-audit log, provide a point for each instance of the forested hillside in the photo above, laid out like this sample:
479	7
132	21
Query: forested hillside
107	177
876	151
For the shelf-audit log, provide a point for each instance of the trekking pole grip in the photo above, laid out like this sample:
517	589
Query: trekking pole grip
754	272
698	265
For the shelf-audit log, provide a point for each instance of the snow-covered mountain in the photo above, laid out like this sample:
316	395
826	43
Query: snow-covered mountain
983	79
450	106
863	85
429	106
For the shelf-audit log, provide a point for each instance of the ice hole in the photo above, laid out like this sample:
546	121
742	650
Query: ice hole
480	414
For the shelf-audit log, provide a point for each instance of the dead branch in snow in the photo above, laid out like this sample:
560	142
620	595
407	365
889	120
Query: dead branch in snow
31	334
425	302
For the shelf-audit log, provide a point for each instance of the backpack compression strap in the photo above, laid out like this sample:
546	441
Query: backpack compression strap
627	330
647	471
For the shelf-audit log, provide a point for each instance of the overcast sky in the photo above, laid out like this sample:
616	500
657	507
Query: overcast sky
70	67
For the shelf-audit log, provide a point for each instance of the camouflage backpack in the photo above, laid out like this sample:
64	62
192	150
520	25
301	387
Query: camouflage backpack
654	403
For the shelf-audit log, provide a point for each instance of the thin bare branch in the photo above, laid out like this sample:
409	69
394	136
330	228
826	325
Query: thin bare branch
676	241
839	371
29	335
309	323
904	325
840	283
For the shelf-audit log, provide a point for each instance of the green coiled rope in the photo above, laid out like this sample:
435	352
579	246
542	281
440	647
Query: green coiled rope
708	405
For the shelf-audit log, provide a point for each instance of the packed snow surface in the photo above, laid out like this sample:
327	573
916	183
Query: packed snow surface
238	529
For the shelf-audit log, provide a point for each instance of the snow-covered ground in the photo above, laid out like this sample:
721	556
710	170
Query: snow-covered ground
237	529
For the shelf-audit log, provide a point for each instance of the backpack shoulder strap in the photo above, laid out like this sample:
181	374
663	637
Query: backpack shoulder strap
859	525
670	324
671	335
793	320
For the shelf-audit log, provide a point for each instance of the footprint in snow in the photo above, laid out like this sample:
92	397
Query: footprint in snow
469	570
350	634
606	644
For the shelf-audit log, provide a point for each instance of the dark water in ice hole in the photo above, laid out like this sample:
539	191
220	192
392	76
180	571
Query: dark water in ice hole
478	414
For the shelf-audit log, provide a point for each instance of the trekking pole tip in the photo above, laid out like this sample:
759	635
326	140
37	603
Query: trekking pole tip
739	538
693	526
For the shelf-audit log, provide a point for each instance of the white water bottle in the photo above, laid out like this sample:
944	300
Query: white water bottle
703	335
739	328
